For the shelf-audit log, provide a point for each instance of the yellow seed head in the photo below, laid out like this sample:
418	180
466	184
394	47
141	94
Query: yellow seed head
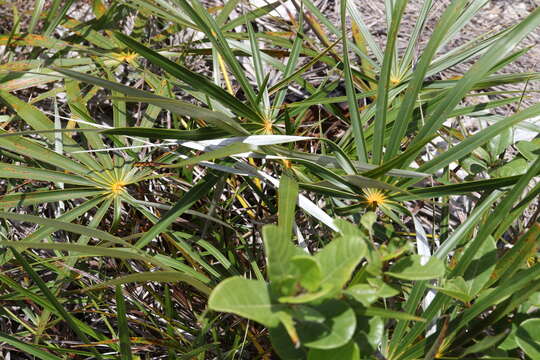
394	80
287	163
126	56
117	187
375	197
268	127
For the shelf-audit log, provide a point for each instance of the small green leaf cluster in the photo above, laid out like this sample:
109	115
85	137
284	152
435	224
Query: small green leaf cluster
312	304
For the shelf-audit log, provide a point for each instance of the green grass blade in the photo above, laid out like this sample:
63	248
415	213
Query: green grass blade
287	198
67	217
155	276
55	15
47	196
36	14
123	327
79	111
61	225
351	93
54	301
249	16
477	72
94	223
258	66
396	162
366	34
9	171
384	82
459	234
517	211
324	20
297	73
229	150
39	121
176	106
407	58
294	55
397	315
466	146
199	15
415	85
526	278
199	82
226	12
514	258
120	253
27	348
206	133
400	341
472	9
342	159
34	150
489	226
164	10
460	188
333	162
496	217
212	250
192	196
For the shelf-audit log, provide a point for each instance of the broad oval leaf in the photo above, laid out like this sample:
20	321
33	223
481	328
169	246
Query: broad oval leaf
479	271
415	267
529	149
308	270
456	288
283	346
337	329
369	333
363	293
279	252
349	351
513	168
325	290
528	337
339	258
248	298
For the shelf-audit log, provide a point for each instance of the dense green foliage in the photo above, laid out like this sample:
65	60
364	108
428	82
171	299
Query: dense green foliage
175	184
